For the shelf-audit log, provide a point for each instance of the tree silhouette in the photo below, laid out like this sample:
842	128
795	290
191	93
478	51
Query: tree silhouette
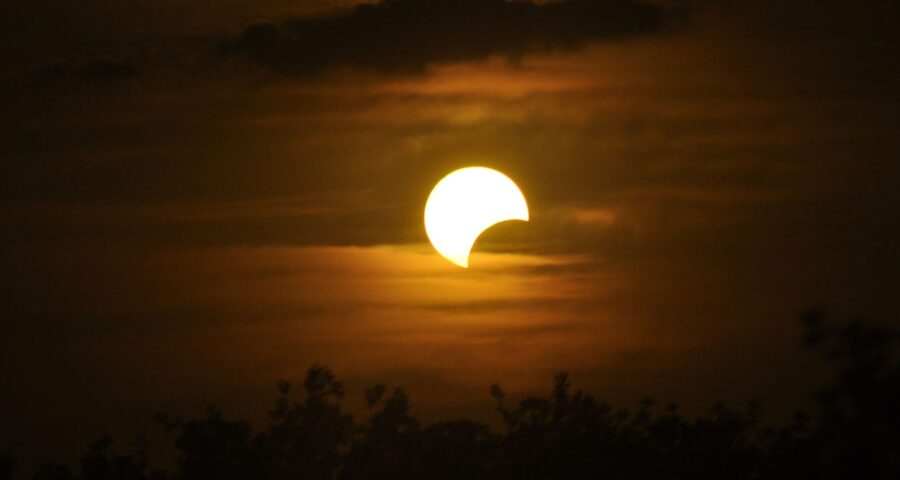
306	438
567	434
213	447
858	427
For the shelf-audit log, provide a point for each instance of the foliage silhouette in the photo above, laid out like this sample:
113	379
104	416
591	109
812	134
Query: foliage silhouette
567	434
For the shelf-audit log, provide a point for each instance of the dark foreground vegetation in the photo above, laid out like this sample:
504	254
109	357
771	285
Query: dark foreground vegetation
853	433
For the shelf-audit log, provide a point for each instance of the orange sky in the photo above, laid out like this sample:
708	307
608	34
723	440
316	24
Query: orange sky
194	234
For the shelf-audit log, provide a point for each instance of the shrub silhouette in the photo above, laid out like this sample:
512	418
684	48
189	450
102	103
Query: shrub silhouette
566	434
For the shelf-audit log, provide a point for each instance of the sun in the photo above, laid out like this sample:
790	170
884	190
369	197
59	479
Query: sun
467	202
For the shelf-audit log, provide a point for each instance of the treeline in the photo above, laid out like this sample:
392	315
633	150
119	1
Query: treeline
853	433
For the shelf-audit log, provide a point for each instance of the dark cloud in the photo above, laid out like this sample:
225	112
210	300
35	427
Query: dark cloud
409	35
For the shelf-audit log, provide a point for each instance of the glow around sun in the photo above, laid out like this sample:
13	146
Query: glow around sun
464	204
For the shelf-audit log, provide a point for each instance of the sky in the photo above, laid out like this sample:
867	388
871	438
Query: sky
201	198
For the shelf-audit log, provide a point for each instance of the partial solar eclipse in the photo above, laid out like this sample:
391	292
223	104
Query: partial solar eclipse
464	204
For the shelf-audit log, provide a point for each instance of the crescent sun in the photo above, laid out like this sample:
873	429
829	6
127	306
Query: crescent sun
464	204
